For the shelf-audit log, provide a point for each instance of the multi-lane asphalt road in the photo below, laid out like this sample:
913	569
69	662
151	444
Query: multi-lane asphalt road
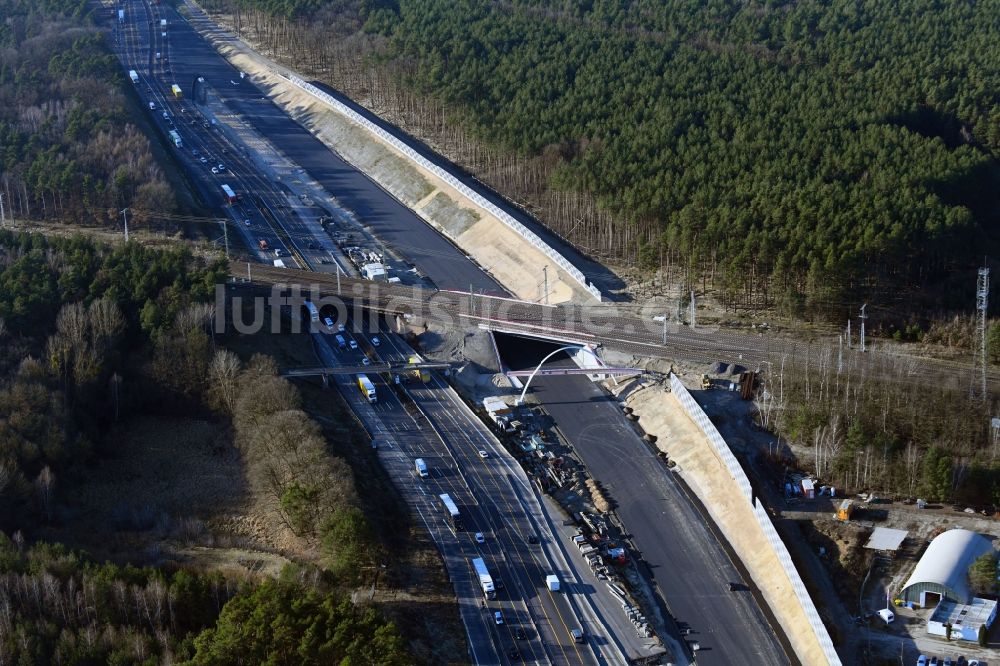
494	498
686	562
395	224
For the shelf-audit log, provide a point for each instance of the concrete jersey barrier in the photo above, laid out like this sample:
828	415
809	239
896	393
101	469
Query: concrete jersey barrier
466	191
721	449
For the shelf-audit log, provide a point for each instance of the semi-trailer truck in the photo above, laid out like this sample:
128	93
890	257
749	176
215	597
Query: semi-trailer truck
485	580
367	388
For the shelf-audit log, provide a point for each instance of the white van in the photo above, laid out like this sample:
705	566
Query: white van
421	467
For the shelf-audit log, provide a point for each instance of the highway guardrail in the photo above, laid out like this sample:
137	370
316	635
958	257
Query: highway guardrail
466	191
722	451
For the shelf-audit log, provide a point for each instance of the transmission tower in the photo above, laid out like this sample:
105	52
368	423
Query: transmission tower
979	363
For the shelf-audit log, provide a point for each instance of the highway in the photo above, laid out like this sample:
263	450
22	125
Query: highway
492	499
493	503
666	528
139	40
395	224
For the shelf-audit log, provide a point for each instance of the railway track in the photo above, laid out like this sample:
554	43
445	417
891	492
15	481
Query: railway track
611	326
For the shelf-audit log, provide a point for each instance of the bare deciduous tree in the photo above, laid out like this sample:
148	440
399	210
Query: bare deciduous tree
106	322
45	484
224	373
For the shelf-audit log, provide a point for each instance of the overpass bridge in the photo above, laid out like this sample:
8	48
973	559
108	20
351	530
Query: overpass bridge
376	368
626	328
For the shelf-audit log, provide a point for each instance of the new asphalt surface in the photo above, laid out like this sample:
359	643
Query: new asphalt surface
398	226
688	564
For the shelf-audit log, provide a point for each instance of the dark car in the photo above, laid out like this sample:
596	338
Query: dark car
520	635
513	654
532	539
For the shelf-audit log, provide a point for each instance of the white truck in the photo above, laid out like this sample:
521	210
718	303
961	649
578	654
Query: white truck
176	138
121	15
485	580
421	467
134	75
367	387
163	23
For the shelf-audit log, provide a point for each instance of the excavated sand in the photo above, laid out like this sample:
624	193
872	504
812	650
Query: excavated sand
662	415
510	259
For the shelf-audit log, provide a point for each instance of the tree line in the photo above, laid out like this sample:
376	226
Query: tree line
788	153
78	321
91	334
59	607
867	423
69	152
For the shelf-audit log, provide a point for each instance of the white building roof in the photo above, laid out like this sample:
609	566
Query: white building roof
884	538
946	561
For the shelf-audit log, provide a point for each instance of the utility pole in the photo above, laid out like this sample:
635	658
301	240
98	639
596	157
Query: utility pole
545	284
848	332
225	234
692	309
979	362
3	217
862	317
840	354
125	217
338	275
248	272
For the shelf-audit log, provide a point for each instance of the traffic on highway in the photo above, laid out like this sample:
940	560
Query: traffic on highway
497	535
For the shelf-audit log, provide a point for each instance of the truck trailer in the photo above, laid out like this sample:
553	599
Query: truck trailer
367	388
485	580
